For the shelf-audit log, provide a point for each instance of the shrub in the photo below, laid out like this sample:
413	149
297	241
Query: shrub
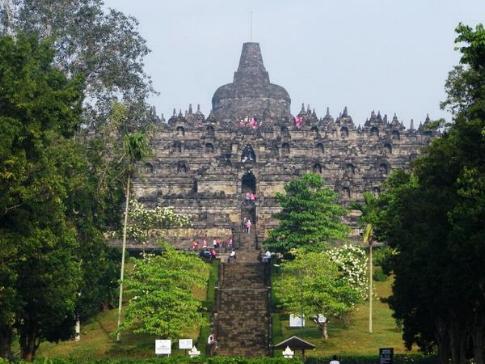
379	275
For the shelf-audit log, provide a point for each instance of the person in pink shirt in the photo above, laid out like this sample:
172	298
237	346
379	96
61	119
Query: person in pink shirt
195	245
248	225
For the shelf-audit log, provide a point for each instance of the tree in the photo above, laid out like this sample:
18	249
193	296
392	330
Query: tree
369	210
310	216
103	45
148	224
40	111
434	217
145	225
316	283
136	148
161	287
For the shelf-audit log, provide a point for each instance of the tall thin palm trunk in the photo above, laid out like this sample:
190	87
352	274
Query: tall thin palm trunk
125	225
367	238
370	287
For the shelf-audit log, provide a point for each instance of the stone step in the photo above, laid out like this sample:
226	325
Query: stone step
242	318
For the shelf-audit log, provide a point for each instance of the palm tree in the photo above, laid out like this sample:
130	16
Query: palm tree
368	218
136	148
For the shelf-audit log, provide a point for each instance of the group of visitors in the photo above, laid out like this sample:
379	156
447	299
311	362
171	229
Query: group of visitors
217	244
298	121
250	196
211	251
247	224
249	123
208	254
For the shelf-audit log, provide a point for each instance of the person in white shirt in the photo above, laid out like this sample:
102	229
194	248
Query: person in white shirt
232	256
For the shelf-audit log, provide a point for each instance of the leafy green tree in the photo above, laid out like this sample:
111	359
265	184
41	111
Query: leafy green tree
434	218
161	288
102	44
40	111
313	283
310	216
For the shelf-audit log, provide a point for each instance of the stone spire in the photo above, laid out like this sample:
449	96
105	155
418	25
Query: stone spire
302	111
251	66
395	120
251	93
345	113
327	118
411	127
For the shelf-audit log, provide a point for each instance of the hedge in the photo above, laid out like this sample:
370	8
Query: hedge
360	359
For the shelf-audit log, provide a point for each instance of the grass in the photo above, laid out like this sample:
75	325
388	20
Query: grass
98	342
352	338
209	303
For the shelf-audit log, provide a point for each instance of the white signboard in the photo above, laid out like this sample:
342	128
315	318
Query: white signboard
185	344
297	321
163	347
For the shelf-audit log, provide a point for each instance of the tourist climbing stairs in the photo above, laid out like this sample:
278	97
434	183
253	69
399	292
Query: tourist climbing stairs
242	318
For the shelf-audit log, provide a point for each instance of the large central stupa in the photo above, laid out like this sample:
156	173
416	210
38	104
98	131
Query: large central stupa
251	94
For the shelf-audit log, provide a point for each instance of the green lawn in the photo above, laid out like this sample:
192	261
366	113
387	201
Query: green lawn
353	338
97	340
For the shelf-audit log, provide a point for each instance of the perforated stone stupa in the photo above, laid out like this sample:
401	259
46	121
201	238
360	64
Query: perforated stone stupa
250	143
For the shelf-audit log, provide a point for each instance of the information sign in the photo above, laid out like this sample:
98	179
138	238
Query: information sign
163	347
386	355
297	321
185	344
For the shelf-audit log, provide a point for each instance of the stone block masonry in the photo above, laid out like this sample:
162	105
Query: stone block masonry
250	142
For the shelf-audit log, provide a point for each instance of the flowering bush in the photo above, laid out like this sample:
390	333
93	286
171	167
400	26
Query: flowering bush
351	261
145	223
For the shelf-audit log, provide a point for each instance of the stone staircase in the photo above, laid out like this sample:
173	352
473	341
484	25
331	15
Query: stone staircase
242	318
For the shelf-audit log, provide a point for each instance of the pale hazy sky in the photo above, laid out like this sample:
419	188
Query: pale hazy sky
387	55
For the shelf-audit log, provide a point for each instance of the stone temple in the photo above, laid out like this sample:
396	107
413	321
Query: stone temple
251	143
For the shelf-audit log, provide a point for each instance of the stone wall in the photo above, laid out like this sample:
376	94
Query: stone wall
198	165
250	142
